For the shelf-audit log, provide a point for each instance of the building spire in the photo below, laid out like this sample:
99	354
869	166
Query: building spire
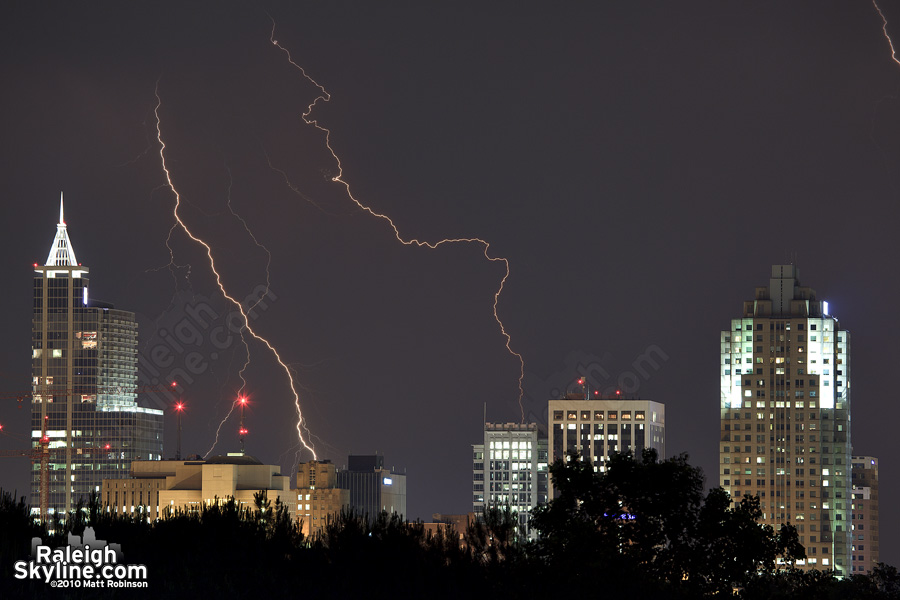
61	252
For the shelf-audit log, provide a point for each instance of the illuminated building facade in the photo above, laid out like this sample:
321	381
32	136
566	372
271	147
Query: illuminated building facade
509	468
84	378
785	416
187	485
318	496
598	428
373	489
864	554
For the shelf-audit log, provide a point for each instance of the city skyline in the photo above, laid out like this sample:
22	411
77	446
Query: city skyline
641	169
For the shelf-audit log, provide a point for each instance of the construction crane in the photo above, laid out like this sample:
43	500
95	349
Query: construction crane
41	453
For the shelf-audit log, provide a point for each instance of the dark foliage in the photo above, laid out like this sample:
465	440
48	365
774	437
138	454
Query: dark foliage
642	528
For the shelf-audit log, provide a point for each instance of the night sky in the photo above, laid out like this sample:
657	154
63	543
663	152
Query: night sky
640	164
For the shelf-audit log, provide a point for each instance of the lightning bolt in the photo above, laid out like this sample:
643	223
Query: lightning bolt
222	422
887	36
324	96
243	339
212	264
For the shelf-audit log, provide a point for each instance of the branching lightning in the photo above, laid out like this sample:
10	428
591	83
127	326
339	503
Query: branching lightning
222	422
240	391
324	96
887	36
212	264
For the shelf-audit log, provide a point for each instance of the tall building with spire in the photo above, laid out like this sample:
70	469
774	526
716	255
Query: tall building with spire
785	416
84	386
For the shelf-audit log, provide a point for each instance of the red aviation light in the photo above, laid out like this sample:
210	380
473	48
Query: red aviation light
106	447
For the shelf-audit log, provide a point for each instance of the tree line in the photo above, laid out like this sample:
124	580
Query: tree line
643	527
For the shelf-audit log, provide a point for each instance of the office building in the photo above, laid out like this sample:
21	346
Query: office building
785	416
319	498
597	428
373	489
864	554
187	485
84	383
509	469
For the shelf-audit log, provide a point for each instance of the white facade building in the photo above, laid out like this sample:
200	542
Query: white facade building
510	469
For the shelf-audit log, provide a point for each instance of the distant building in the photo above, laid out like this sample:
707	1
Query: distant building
373	489
84	384
864	554
785	416
599	427
445	523
459	522
187	485
510	469
318	496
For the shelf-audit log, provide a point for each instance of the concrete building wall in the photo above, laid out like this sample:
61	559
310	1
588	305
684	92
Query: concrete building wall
188	485
319	499
864	547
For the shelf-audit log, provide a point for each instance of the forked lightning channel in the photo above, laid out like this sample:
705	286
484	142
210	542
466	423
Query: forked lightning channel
324	96
212	264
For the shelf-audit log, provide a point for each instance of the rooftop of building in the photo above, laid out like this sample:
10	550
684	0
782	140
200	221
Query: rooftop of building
233	458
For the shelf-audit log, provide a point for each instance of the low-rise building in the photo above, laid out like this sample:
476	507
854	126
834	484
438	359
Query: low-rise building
864	553
158	485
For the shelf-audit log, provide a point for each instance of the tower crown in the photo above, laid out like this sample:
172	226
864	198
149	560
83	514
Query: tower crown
61	252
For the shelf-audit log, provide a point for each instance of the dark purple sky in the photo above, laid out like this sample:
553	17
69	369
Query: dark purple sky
640	164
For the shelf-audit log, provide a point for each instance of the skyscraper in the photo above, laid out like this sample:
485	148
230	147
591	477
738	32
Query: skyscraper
510	469
785	416
84	384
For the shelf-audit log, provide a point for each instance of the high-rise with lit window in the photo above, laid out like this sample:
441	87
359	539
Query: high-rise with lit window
510	469
785	416
84	384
